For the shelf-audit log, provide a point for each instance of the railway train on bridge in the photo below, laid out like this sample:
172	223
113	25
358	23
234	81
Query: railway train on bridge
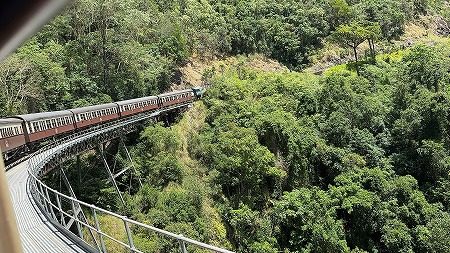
18	133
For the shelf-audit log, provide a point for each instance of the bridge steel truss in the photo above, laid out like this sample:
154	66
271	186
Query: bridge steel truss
67	213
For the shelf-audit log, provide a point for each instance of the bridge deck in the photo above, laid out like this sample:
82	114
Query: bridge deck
36	232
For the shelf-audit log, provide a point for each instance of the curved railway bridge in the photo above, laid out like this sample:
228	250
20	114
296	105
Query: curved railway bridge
50	221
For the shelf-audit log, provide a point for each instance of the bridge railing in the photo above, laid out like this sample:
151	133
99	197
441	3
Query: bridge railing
65	211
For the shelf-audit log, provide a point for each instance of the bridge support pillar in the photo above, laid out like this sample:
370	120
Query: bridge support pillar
131	161
111	175
78	214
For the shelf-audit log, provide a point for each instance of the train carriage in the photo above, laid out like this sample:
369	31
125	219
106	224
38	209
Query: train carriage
39	126
92	115
176	97
134	106
11	134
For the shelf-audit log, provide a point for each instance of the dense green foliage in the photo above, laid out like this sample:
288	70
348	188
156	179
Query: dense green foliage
355	163
98	51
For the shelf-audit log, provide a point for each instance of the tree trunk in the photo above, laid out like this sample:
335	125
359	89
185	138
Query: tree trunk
356	60
104	57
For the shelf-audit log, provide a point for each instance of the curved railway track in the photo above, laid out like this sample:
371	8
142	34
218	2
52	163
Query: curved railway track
50	221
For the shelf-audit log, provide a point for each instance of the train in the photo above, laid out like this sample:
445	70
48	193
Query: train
19	133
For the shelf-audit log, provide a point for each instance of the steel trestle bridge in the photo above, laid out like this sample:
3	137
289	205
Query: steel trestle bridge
50	221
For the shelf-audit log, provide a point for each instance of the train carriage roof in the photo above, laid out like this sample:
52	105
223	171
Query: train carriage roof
136	100
10	121
93	108
175	93
44	115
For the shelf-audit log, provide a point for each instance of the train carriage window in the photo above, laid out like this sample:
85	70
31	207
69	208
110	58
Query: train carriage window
30	127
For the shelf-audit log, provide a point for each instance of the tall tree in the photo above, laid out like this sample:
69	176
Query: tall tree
351	35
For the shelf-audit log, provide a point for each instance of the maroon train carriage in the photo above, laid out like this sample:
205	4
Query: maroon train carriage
138	105
39	126
11	134
176	97
91	115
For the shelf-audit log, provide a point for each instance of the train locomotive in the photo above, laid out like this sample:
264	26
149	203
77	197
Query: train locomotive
19	133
